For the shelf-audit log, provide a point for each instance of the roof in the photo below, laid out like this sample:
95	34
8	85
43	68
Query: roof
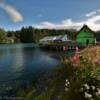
59	37
86	27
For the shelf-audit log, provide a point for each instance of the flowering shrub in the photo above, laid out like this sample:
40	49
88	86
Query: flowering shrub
85	83
91	55
87	56
90	91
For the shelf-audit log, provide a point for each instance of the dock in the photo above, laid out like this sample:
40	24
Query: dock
59	46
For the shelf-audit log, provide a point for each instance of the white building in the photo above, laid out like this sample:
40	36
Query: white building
50	39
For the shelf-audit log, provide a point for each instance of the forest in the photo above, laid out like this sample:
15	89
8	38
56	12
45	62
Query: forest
32	35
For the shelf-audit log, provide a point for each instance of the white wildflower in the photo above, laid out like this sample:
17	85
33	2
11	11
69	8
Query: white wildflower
87	95
93	87
98	92
67	80
87	86
66	84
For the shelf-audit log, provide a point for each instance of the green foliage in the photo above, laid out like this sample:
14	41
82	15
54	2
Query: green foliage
2	35
31	34
26	35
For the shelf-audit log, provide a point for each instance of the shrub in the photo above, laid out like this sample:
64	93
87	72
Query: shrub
85	82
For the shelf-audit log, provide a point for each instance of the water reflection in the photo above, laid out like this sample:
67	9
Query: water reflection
23	62
18	60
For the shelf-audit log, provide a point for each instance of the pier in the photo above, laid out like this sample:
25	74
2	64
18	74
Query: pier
59	46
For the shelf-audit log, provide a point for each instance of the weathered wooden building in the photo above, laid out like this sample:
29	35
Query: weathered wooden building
54	39
58	43
85	36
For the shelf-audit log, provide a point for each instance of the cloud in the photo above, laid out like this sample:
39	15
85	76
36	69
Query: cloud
65	24
15	15
91	14
92	21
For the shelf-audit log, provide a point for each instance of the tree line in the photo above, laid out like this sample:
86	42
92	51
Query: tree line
33	35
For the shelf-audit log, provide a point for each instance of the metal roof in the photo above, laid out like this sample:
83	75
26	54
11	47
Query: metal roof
47	38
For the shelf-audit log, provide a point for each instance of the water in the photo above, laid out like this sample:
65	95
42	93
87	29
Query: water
23	62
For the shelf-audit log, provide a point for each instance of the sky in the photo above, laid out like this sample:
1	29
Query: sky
51	14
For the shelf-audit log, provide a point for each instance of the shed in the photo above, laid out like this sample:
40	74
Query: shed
85	36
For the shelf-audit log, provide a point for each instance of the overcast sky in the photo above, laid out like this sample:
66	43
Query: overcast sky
59	14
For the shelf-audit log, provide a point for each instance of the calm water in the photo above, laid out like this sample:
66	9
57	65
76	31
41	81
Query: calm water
23	62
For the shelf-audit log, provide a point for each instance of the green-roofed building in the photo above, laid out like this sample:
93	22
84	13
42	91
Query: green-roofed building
85	36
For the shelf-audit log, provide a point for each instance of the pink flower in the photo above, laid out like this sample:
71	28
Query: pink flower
75	59
97	60
77	49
